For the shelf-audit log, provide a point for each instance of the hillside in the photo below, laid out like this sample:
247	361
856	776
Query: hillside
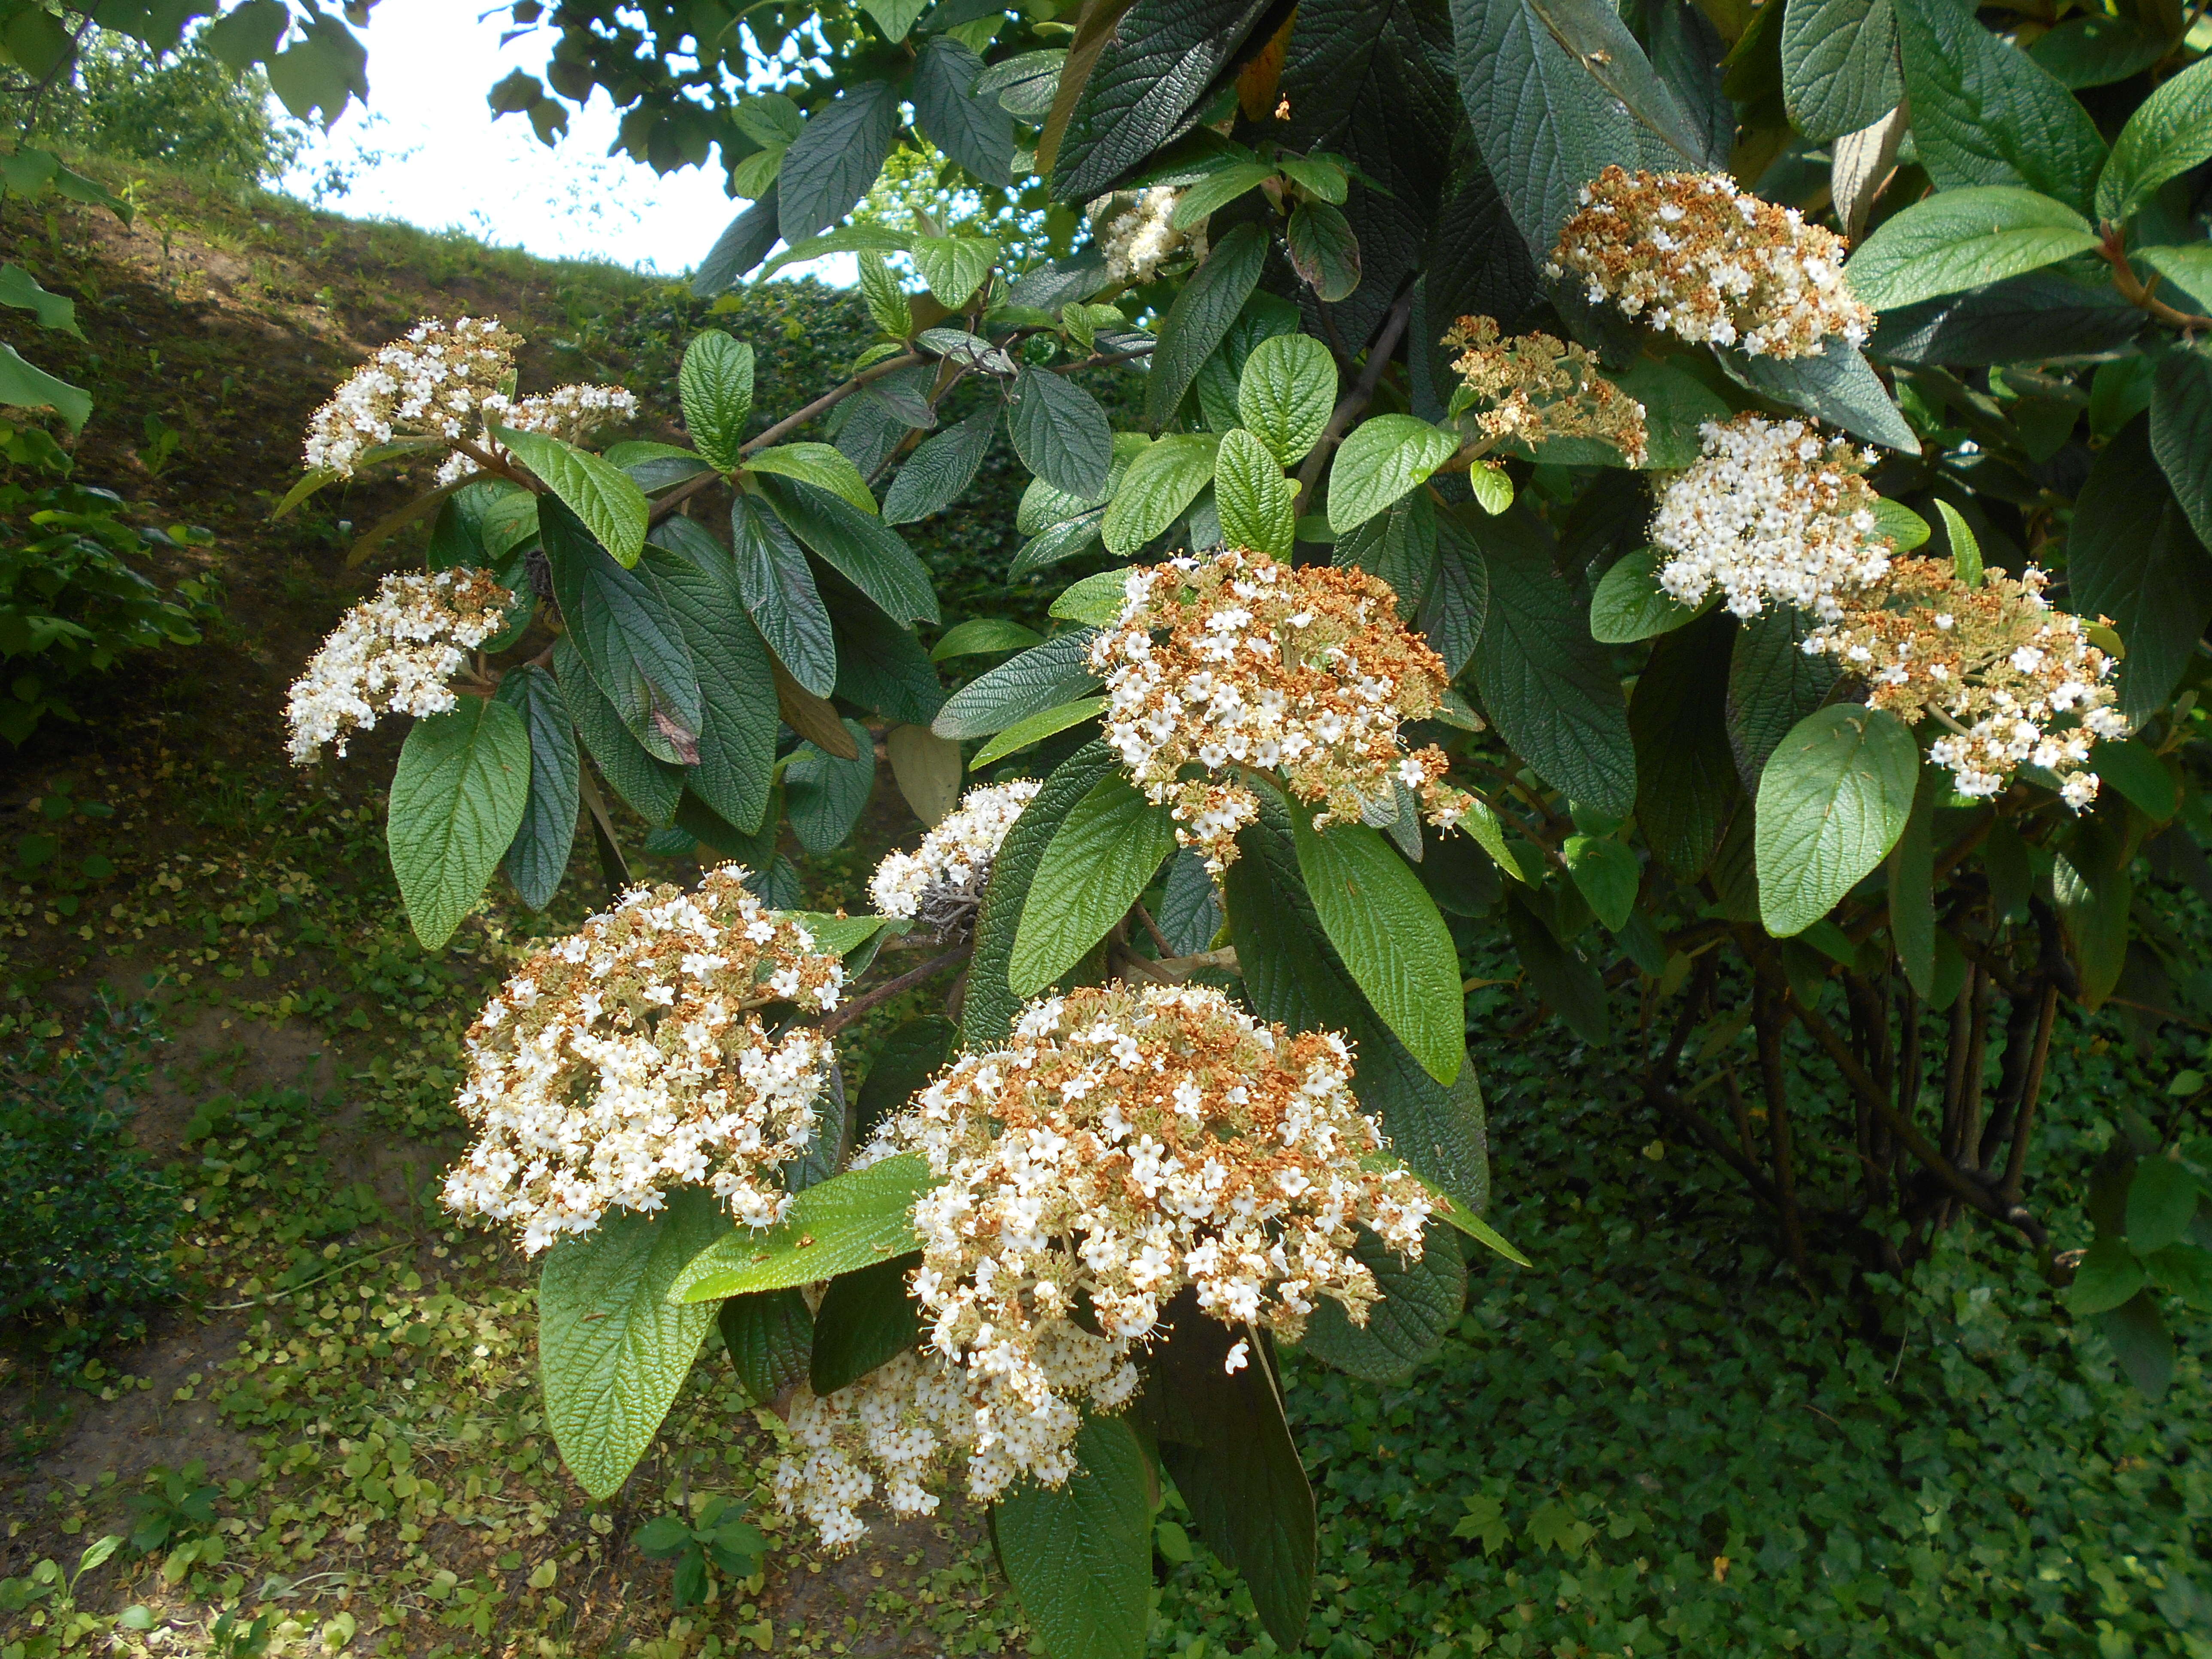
163	850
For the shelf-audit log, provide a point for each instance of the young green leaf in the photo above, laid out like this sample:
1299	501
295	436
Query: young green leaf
1391	938
885	299
1286	393
1832	800
1160	483
1037	728
1963	239
1100	858
612	1351
1966	551
2170	132
1607	874
456	799
604	497
1256	501
1380	459
823	465
1201	318
953	266
1097	599
1628	604
716	385
1218	190
983	636
839	1225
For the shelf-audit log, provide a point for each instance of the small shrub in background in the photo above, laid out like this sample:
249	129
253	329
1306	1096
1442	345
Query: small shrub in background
73	602
86	1221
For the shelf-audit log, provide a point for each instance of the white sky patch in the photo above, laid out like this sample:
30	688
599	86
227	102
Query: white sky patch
428	151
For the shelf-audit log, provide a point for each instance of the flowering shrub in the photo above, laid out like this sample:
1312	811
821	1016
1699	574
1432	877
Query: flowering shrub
1523	555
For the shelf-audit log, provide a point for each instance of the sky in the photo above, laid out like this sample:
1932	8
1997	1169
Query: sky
428	151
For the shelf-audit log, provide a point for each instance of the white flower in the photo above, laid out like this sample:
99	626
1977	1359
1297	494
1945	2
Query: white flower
570	413
952	864
1139	236
1109	1195
393	654
629	1060
1769	512
428	384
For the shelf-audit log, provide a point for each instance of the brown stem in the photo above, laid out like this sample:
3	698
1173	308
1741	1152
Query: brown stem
845	1013
1378	359
2135	291
2031	1092
1970	1110
830	400
1703	1131
1103	360
1145	917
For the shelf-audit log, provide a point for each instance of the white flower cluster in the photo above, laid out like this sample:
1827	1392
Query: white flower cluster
1769	511
1235	660
1712	263
2015	682
571	413
428	384
630	1059
1123	1146
945	875
1141	236
393	654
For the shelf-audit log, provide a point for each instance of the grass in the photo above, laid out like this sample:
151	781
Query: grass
1655	1441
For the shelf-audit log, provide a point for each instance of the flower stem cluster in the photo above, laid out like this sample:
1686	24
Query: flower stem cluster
430	383
941	882
2014	682
1538	387
1123	1145
570	413
1709	263
1136	234
1238	664
1771	511
393	654
631	1058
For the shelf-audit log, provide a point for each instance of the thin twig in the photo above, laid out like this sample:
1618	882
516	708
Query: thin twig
846	1013
1378	359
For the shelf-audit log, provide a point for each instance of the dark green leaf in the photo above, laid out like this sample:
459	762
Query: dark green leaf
1055	672
880	666
769	1335
906	1059
612	1349
1912	887
1293	975
1190	905
538	856
633	648
2140	1339
1458	602
2133	557
741	247
1985	112
1157	63
1569	984
456	800
1100	859
869	552
2097	49
650	785
1772	685
1323	250
698	586
940	470
2025	318
1200	317
1223	1439
1421	1302
1061	433
1548	686
1595	36
988	1013
1832	801
1686	775
2109	1274
2181	426
1838	386
824	796
1079	1556
1839	67
834	158
2170	132
865	1319
780	594
1387	929
975	132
